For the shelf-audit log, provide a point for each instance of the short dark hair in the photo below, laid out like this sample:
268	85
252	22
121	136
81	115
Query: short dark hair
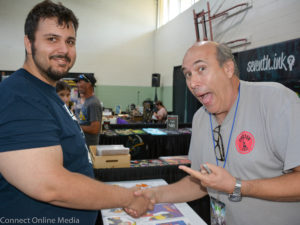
48	9
224	54
159	103
61	85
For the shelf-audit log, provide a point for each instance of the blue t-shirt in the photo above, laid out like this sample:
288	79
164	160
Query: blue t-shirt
31	116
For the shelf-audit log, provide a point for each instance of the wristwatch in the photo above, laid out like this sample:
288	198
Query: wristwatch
236	196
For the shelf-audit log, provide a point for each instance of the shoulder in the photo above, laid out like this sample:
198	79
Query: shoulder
266	87
199	115
21	83
93	100
14	89
19	98
14	81
269	92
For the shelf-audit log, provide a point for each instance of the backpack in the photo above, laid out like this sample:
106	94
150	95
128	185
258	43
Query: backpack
136	147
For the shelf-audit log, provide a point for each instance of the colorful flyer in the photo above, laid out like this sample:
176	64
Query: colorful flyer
162	214
178	222
119	221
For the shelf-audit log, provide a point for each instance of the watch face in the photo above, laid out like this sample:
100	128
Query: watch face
236	195
235	198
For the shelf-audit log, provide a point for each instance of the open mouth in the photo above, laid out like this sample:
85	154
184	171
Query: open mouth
205	98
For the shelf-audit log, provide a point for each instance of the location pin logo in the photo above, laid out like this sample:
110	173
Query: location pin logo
291	61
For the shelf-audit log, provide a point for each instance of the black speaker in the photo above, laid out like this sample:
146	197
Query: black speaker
155	80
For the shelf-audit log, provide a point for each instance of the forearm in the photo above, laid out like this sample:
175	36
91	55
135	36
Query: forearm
94	128
40	175
81	192
158	117
187	189
282	188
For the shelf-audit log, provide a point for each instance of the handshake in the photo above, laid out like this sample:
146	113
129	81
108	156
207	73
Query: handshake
142	200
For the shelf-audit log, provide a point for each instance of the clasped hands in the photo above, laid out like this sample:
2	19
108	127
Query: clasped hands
140	203
219	179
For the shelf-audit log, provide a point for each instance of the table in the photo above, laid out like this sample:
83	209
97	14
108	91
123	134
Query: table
170	173
155	145
145	125
162	213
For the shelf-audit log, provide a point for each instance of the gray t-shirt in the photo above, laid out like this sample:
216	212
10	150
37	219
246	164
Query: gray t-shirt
90	111
264	144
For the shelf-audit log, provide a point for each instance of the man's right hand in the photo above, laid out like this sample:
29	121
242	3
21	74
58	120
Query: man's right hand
140	204
149	193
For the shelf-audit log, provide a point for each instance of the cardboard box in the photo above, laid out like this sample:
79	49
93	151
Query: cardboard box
110	161
111	150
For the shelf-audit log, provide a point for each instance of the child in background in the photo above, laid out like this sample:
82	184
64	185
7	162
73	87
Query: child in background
63	90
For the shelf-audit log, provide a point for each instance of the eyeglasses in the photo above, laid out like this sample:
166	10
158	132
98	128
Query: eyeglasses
219	147
83	77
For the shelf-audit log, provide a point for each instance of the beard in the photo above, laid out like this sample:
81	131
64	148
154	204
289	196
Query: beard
48	71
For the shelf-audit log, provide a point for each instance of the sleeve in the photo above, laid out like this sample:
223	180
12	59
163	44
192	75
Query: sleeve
95	112
284	126
194	143
26	124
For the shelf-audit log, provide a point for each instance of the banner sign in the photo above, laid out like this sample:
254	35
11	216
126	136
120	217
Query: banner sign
278	62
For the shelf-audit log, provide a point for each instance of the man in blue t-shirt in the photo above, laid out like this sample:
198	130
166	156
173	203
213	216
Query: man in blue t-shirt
46	175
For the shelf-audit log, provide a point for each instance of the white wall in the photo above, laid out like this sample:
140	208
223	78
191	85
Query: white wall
114	41
118	42
266	22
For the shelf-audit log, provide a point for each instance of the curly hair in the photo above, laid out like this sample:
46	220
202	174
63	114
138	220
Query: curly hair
48	9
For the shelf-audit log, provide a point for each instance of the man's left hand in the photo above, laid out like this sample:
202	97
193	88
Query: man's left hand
219	179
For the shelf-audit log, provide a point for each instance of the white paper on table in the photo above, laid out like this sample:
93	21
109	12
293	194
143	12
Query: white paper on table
185	216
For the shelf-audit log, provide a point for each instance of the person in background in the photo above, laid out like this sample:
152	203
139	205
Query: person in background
46	175
161	114
90	114
244	149
79	103
148	111
134	111
63	90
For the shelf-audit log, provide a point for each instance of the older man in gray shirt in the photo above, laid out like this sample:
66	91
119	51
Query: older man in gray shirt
245	143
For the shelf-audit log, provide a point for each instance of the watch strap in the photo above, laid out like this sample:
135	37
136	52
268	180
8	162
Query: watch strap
236	196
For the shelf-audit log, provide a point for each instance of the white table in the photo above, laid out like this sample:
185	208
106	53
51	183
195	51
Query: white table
179	213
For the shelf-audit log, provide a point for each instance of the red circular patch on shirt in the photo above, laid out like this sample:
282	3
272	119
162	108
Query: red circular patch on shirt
245	142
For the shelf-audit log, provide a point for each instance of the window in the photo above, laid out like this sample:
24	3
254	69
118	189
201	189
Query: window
169	9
